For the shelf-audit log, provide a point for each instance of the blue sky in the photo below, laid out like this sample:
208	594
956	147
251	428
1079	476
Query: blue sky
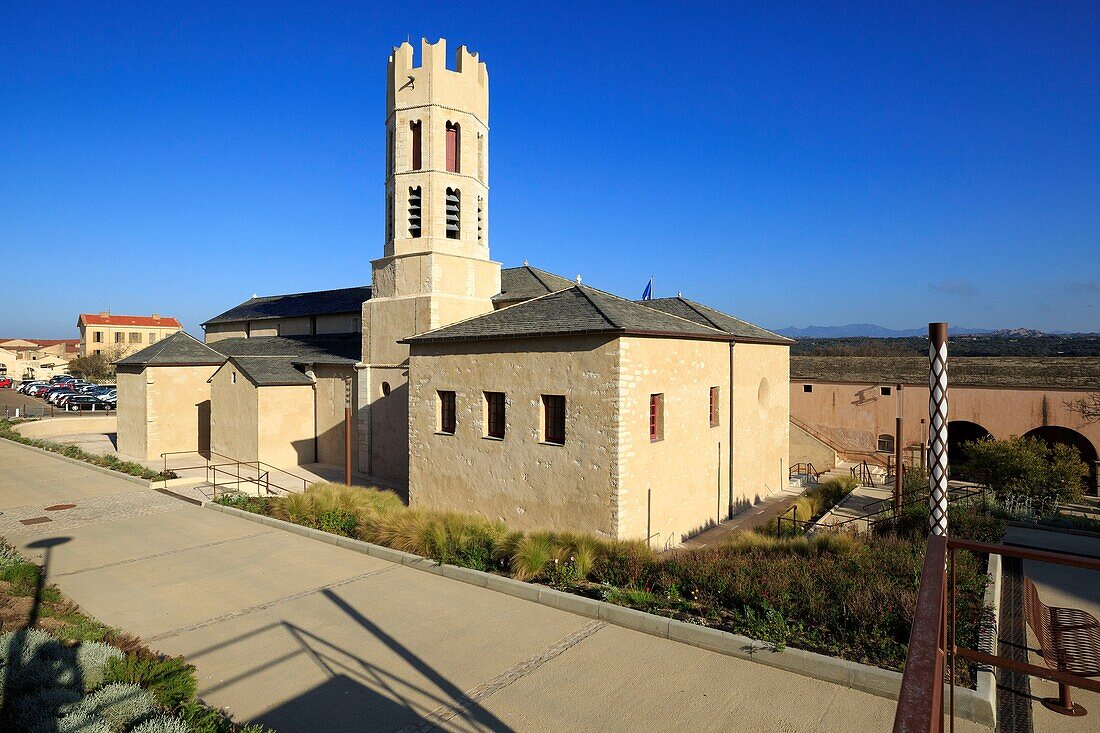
786	163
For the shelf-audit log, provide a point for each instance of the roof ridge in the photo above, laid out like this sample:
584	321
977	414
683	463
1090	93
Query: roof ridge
691	304
581	288
310	292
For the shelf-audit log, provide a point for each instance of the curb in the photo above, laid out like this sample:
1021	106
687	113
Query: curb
985	698
146	483
969	704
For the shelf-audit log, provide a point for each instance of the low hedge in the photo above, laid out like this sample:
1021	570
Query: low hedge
842	595
114	463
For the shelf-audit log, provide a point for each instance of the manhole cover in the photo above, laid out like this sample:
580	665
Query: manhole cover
35	520
60	507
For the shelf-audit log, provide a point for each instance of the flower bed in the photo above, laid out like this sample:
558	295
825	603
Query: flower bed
61	670
841	595
71	451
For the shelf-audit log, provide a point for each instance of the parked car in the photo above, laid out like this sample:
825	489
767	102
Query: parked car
6	383
61	378
110	395
25	386
54	393
39	390
77	402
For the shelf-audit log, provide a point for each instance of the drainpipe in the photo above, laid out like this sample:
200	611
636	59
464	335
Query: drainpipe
313	378
729	473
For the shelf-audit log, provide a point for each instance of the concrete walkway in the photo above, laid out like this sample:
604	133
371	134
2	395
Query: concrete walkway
305	636
766	510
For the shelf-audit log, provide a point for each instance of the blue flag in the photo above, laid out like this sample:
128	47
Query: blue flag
647	294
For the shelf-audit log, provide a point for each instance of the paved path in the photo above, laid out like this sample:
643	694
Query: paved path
309	637
761	513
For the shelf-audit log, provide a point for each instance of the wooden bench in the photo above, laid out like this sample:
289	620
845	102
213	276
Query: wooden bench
1069	640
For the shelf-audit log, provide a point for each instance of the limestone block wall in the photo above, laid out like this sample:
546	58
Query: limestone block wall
177	408
525	482
285	435
133	436
805	448
234	415
329	414
680	482
761	406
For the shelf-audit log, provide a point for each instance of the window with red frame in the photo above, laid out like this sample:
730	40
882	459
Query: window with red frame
714	407
447	412
656	417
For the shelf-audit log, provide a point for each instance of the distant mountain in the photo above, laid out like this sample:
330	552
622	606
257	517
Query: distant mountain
872	330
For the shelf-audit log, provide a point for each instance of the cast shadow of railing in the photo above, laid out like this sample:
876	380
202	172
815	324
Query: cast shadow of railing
358	694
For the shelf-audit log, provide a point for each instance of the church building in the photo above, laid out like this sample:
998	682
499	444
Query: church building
516	394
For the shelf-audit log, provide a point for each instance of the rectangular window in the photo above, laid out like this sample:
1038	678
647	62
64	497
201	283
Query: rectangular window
884	391
553	408
120	337
714	407
656	417
97	337
417	161
152	338
807	388
135	337
494	418
454	148
447	412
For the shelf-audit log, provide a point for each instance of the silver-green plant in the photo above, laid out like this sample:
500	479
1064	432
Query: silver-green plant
162	724
91	659
119	705
81	722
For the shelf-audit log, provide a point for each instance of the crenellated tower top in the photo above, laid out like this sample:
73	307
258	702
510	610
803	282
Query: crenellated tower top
466	87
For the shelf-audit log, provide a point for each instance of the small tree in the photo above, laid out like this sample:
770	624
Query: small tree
1026	474
96	367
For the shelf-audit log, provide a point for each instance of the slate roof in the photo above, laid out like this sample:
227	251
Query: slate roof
707	316
526	282
317	303
179	349
1076	373
267	371
578	309
338	348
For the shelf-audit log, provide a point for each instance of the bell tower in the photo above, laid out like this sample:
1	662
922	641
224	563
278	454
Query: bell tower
435	267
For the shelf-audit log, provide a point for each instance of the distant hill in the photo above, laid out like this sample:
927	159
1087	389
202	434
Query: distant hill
871	330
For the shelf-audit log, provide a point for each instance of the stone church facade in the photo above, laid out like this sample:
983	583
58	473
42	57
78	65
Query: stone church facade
516	393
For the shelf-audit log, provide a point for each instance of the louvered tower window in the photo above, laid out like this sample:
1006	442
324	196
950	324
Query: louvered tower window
481	220
414	211
454	213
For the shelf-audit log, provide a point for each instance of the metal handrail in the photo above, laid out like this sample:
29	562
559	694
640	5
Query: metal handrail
862	472
804	469
262	474
932	643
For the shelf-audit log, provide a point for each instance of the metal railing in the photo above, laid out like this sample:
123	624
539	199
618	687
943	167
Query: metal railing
933	647
886	510
862	473
804	469
268	479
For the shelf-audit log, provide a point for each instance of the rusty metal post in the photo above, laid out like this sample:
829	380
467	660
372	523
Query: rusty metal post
937	428
347	431
899	468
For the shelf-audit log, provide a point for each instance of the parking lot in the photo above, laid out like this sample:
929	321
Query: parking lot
10	401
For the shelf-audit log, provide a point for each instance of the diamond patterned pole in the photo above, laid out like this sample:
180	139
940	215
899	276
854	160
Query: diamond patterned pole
937	428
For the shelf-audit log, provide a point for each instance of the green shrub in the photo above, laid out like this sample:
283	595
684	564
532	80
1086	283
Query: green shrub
23	576
202	719
337	521
625	564
170	680
93	659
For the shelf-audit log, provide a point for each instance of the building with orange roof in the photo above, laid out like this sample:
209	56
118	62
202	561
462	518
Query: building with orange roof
117	335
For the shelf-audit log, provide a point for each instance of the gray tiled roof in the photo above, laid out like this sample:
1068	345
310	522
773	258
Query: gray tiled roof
524	283
323	349
574	310
318	303
1060	372
699	313
179	349
267	371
